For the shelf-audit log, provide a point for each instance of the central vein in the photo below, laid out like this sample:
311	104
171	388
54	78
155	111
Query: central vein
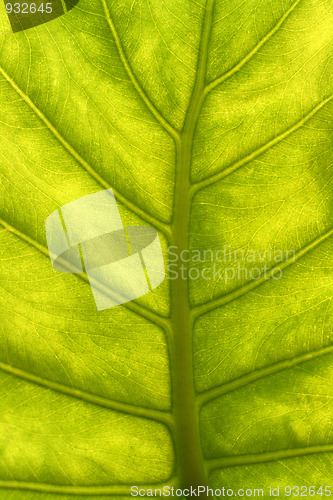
190	464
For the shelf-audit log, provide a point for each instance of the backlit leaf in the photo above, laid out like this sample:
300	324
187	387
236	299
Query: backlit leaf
212	122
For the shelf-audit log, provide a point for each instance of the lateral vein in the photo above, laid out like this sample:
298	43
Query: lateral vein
162	121
252	156
249	56
239	292
161	226
132	306
116	490
207	396
129	409
273	456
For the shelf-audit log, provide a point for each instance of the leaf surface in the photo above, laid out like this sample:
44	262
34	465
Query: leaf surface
212	122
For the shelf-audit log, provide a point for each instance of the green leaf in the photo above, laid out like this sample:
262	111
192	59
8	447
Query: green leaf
212	122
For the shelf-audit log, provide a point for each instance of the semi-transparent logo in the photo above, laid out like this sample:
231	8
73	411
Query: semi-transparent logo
87	235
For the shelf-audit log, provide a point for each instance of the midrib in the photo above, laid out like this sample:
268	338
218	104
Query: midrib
190	464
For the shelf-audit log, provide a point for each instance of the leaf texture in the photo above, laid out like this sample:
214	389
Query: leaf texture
212	122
